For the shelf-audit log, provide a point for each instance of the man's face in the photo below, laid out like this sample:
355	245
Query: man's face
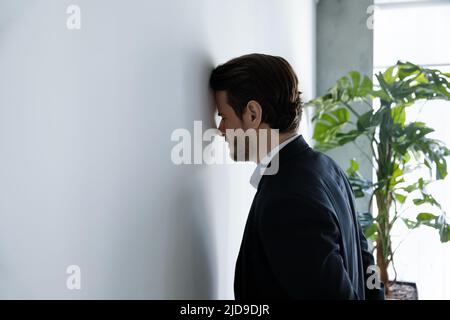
229	123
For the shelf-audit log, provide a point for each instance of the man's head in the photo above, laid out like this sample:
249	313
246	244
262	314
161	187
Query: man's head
254	92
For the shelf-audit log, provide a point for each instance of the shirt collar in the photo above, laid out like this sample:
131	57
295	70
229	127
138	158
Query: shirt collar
259	170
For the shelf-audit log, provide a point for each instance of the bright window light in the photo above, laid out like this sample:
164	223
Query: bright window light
418	31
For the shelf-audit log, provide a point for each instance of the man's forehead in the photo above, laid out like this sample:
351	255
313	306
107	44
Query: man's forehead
221	96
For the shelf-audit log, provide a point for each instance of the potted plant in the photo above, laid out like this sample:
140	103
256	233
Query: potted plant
397	148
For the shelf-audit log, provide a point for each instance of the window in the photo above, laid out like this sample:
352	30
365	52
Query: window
418	31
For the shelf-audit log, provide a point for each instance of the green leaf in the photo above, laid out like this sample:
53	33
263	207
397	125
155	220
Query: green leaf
425	216
342	115
426	198
354	166
406	69
400	197
366	121
344	138
320	131
370	231
412	187
410	224
398	115
396	174
390	74
360	186
366	87
421	183
329	124
355	76
365	219
444	232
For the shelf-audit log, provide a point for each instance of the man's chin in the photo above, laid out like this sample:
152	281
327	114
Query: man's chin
239	157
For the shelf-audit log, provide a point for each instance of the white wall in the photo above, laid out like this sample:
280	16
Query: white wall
85	123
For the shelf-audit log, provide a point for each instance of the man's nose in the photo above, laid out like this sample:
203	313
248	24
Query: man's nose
221	129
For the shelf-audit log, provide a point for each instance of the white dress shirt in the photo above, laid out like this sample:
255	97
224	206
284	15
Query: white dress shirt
259	170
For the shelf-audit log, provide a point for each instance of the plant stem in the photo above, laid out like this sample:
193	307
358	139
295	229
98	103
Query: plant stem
356	114
365	154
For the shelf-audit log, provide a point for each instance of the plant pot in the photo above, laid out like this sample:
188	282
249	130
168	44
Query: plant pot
400	290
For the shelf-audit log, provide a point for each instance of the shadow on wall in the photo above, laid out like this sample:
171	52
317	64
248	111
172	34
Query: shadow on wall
164	241
193	257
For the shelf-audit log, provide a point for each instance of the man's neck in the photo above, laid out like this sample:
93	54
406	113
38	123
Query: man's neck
282	137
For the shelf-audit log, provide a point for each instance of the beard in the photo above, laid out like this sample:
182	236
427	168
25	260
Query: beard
239	151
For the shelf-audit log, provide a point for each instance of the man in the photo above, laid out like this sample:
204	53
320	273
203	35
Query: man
302	239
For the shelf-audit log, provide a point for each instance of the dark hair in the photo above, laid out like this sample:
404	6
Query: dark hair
270	80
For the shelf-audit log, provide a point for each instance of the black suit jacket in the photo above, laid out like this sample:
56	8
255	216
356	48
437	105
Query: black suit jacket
302	239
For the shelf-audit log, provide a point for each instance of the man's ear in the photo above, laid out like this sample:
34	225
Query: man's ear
253	114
